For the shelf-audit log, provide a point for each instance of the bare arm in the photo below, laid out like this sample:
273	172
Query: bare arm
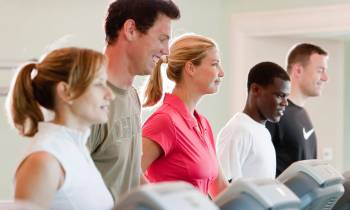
143	179
218	185
38	179
150	152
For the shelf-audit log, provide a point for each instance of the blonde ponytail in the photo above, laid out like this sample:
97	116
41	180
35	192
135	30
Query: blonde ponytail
154	88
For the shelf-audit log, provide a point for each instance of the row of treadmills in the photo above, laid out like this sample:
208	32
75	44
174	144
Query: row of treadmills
306	185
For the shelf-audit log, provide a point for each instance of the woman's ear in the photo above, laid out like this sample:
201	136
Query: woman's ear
189	68
63	92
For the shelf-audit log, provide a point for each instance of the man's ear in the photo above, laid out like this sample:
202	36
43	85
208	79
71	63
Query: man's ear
63	92
129	30
255	89
189	68
297	70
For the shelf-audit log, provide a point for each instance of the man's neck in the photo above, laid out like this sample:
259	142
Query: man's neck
118	68
297	97
252	112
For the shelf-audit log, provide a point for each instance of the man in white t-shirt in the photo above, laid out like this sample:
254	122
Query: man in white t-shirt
244	144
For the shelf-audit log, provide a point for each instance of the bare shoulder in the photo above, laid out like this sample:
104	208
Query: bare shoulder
38	178
41	160
43	164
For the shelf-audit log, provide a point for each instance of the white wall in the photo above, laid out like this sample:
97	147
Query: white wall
11	146
29	27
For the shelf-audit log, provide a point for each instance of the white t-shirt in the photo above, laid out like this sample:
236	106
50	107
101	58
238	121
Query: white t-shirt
245	149
83	186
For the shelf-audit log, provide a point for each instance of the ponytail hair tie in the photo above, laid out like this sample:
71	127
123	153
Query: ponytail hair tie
34	73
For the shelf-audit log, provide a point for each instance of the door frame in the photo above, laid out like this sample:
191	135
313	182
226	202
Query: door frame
323	22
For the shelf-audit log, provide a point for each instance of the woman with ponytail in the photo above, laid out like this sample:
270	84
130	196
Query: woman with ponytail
178	142
56	171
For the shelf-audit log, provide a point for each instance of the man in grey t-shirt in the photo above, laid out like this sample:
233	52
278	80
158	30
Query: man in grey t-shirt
137	35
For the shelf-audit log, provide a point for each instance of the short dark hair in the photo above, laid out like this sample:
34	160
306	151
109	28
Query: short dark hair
264	73
301	54
143	12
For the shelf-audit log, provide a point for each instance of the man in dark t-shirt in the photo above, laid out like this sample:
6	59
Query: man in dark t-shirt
294	136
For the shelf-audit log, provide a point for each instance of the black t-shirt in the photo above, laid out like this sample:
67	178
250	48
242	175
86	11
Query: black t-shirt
293	136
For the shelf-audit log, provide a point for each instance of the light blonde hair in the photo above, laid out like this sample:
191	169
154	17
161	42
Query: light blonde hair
75	66
188	47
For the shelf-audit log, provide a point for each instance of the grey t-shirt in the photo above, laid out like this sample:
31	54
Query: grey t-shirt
116	146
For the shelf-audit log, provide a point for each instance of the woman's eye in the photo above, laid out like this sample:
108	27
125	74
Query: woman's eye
162	40
99	84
